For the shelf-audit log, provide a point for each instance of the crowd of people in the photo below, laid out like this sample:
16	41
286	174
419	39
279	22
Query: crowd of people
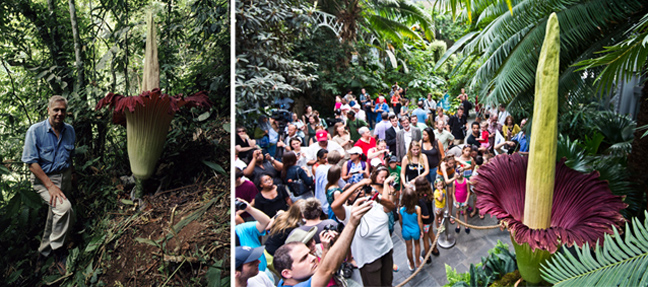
316	199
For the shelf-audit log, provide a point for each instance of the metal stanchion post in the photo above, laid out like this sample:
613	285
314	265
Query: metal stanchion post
447	240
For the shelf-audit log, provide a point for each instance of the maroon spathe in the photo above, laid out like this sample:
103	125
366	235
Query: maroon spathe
583	209
120	103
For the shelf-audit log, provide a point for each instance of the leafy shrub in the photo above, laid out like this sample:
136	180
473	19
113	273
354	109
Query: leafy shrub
500	261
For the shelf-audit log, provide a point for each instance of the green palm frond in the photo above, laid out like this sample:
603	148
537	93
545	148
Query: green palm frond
620	262
622	60
391	29
457	45
494	10
512	57
509	44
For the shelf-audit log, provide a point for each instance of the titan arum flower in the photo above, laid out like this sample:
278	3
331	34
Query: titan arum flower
148	116
543	204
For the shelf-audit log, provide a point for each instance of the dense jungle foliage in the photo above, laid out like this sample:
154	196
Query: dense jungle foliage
82	50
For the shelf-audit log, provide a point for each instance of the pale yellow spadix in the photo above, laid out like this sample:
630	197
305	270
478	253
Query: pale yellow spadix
151	77
543	144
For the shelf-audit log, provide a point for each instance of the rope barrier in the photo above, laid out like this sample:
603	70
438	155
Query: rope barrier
439	231
501	225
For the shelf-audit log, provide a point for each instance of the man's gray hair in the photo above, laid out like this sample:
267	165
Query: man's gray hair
55	99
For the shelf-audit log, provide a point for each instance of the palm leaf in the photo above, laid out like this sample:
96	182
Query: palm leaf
620	262
391	29
622	60
509	44
457	45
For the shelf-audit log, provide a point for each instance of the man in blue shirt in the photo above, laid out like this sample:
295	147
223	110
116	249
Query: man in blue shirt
48	150
420	113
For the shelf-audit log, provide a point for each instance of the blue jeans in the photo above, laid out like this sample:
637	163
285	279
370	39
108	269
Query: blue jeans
371	117
431	177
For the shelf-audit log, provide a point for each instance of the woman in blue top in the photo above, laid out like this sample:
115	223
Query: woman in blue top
381	107
412	223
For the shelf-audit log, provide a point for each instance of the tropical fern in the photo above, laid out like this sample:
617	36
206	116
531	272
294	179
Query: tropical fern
620	262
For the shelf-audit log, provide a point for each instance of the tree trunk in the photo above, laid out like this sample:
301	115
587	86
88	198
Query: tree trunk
639	154
77	49
49	32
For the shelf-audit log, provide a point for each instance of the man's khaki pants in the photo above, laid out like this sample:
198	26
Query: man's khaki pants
59	218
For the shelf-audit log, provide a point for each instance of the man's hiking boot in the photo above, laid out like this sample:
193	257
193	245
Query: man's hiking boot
60	260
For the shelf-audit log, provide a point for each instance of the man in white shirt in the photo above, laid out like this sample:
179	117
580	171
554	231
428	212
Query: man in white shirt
322	143
405	136
359	113
430	106
442	134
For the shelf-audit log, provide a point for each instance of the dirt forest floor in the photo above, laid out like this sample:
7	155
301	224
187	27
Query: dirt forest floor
181	238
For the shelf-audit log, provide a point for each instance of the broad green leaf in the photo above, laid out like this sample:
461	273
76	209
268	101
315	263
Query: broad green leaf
216	167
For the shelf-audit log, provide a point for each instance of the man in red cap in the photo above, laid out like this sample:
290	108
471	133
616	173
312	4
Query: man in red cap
322	143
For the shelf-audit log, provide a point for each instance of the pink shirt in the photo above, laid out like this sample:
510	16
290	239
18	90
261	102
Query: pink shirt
461	190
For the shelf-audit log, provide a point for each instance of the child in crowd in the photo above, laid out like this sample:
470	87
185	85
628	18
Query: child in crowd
460	196
466	160
479	160
395	171
439	200
412	223
426	202
446	172
483	139
338	103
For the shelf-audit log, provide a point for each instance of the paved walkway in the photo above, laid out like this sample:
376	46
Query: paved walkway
469	248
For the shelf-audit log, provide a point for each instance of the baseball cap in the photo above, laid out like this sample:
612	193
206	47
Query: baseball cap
321	136
300	235
393	158
355	150
247	254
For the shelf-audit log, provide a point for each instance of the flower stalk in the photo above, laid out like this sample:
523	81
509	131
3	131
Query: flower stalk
148	116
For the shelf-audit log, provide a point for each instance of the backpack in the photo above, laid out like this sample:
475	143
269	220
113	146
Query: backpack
297	186
362	162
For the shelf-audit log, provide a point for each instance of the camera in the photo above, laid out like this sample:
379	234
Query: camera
330	227
240	205
366	189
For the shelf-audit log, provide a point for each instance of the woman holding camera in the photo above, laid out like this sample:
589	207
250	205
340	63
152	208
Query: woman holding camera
263	164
